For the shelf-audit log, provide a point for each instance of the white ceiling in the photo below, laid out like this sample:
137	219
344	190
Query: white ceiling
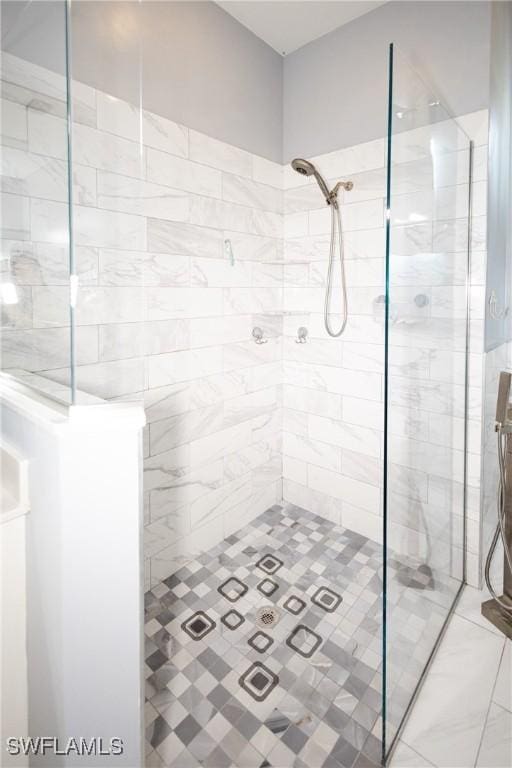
287	26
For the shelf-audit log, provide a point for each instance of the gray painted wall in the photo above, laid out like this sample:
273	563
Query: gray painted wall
200	67
35	31
499	222
189	61
195	64
335	88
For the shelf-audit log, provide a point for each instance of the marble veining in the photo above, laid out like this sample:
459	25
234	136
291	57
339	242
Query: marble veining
165	313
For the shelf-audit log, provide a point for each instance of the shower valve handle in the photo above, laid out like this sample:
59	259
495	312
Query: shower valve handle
257	335
302	334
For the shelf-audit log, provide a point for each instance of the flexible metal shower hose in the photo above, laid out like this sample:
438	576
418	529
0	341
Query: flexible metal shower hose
500	528
335	224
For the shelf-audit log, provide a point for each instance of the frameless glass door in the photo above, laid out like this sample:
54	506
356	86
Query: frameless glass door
428	187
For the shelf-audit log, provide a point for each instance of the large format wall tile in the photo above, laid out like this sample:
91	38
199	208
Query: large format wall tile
180	173
33	77
14	125
107	380
184	244
96	305
217	154
237	189
106	151
47	134
15	217
117	116
47	348
122	193
164	134
48	263
25	173
187	239
108	229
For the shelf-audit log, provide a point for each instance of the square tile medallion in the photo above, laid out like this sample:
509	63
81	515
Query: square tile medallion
269	564
327	599
260	642
294	604
304	641
233	589
267	587
258	681
198	625
232	619
304	690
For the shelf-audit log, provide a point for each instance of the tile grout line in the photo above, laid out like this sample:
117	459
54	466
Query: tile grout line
418	753
498	704
489	706
475	623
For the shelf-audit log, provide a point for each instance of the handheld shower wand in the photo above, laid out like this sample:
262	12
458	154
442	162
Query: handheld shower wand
500	531
305	168
499	609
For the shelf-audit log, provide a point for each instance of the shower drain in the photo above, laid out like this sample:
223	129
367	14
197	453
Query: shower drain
267	616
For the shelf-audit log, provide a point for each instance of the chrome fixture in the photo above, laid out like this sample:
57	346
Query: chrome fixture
302	335
228	250
267	616
421	300
257	335
498	610
305	168
495	312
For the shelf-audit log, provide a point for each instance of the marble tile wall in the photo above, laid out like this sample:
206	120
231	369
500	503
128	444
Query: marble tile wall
183	245
333	388
34	171
179	255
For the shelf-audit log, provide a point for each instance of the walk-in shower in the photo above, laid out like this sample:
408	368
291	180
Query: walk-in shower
304	476
306	168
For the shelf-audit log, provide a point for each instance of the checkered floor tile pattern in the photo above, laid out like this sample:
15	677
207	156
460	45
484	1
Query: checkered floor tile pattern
304	690
229	684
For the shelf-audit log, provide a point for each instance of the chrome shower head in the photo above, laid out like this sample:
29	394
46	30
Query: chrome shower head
305	168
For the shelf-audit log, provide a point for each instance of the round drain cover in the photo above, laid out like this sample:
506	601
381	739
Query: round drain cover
267	616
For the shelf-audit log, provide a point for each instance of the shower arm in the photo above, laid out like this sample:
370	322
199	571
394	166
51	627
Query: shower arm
332	198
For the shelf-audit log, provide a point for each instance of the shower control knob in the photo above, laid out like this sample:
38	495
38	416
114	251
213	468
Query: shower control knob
257	335
302	334
421	300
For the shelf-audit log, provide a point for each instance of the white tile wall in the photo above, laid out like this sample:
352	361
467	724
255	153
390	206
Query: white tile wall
333	389
165	316
162	313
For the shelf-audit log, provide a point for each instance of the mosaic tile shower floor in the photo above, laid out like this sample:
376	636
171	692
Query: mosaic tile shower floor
225	689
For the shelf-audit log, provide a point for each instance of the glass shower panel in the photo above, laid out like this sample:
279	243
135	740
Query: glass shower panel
110	202
426	361
34	290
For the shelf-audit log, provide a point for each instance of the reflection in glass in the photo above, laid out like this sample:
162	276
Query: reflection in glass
426	349
34	290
